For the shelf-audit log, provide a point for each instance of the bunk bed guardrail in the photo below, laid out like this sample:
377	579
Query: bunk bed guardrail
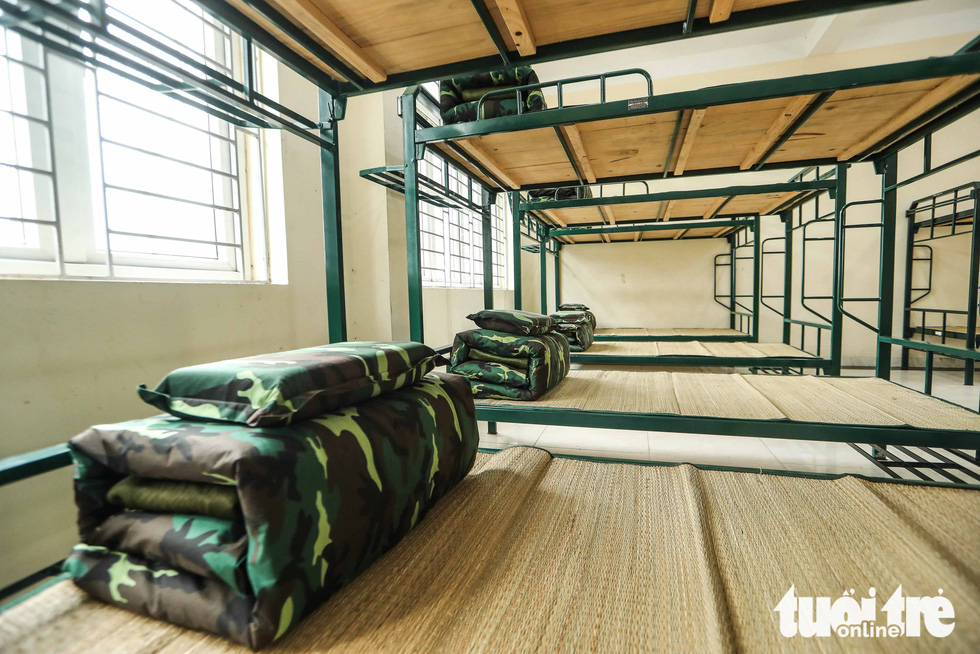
561	83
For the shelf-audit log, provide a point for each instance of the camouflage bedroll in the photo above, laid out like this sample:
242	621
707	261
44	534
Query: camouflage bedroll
575	316
579	334
460	96
509	366
302	508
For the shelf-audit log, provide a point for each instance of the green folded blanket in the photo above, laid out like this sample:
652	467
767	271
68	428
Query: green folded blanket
486	358
163	496
579	334
575	316
319	500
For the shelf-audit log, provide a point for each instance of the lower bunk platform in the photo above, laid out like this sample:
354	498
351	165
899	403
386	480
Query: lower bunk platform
841	409
670	334
533	553
699	353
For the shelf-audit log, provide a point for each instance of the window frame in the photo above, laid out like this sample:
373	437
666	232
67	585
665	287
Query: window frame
81	243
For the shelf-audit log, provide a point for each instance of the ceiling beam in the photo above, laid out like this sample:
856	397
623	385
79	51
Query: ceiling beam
307	14
574	139
488	162
781	200
697	116
519	27
716	206
721	10
942	92
779	126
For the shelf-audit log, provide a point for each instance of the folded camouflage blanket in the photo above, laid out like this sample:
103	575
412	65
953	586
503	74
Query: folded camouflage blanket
459	96
317	502
579	334
507	366
564	193
512	321
574	316
283	387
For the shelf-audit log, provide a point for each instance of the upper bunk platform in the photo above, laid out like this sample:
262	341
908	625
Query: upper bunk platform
826	118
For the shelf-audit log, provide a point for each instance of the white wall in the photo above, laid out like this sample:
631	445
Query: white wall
645	284
445	311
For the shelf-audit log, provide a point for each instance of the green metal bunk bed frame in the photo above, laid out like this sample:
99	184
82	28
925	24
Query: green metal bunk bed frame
885	159
85	32
935	205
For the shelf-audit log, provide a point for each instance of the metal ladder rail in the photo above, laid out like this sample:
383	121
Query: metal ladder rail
842	234
762	275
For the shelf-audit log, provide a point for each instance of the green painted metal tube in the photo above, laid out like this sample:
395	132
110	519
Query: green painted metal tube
756	276
487	251
557	278
516	214
971	297
675	338
649	227
641	198
886	273
22	466
811	431
699	361
787	218
938	348
412	216
544	273
836	315
333	239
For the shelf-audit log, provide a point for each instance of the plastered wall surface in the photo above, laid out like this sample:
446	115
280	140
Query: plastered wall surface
645	284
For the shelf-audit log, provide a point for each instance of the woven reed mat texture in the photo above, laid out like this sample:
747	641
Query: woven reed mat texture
695	348
530	554
805	398
693	332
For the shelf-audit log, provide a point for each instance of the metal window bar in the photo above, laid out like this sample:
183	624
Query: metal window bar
45	124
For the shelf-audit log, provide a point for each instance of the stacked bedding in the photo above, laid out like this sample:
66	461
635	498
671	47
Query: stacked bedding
514	355
459	96
274	482
577	308
578	327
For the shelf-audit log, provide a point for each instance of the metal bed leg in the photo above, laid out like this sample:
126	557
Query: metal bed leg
492	428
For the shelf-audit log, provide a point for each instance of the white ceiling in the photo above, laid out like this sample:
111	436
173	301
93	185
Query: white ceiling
813	38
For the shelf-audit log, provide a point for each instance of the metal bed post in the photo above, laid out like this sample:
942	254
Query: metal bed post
907	290
787	218
557	274
516	216
412	215
971	316
488	198
836	315
332	110
886	282
756	275
732	278
543	258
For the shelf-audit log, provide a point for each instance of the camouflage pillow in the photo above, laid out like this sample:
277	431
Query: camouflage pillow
513	322
571	306
284	387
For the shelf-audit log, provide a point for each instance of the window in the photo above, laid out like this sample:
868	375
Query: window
113	179
451	233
